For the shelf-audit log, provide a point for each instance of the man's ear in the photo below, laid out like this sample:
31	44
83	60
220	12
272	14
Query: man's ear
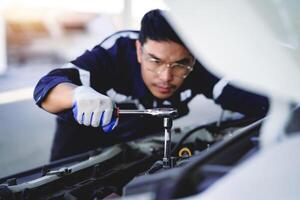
138	50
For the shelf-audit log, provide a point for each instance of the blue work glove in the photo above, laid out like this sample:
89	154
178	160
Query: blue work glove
91	108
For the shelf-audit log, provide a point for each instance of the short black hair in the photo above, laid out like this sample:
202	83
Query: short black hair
154	26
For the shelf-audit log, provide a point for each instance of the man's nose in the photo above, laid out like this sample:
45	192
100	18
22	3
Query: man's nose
166	74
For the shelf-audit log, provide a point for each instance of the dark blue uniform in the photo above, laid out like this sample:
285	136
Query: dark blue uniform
112	69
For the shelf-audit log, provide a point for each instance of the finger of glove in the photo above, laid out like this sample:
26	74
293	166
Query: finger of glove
108	128
95	122
106	117
87	118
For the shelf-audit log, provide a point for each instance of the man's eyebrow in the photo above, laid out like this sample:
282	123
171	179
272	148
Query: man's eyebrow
183	61
154	56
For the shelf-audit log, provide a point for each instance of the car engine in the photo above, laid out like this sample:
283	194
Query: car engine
200	155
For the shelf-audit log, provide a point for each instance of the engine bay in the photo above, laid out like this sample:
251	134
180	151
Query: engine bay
200	155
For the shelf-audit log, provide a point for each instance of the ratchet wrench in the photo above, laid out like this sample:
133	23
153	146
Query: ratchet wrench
167	114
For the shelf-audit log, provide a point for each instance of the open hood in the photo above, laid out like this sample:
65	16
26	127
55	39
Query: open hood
255	44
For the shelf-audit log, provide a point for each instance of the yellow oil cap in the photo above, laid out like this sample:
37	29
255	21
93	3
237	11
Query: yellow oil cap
184	151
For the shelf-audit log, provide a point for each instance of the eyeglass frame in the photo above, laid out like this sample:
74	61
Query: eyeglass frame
168	65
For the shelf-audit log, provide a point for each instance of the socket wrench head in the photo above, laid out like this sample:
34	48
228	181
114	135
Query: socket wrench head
163	112
158	112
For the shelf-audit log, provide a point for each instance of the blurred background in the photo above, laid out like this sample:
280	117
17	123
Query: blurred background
39	35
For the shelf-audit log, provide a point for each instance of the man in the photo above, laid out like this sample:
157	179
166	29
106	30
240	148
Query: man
151	68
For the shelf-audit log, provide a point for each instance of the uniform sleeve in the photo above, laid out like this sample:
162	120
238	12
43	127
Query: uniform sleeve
81	71
53	78
228	96
235	99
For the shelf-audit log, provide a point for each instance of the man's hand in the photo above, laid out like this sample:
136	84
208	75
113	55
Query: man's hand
91	108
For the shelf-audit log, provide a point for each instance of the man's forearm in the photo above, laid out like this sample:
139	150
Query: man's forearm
59	98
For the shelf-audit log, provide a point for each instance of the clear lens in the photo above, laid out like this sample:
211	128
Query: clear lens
178	70
157	66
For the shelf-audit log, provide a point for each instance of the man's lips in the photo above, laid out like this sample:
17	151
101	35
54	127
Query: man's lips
164	89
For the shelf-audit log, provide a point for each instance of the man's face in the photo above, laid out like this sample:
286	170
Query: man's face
161	55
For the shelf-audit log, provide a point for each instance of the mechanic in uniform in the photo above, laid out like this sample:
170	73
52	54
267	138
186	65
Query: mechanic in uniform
150	68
